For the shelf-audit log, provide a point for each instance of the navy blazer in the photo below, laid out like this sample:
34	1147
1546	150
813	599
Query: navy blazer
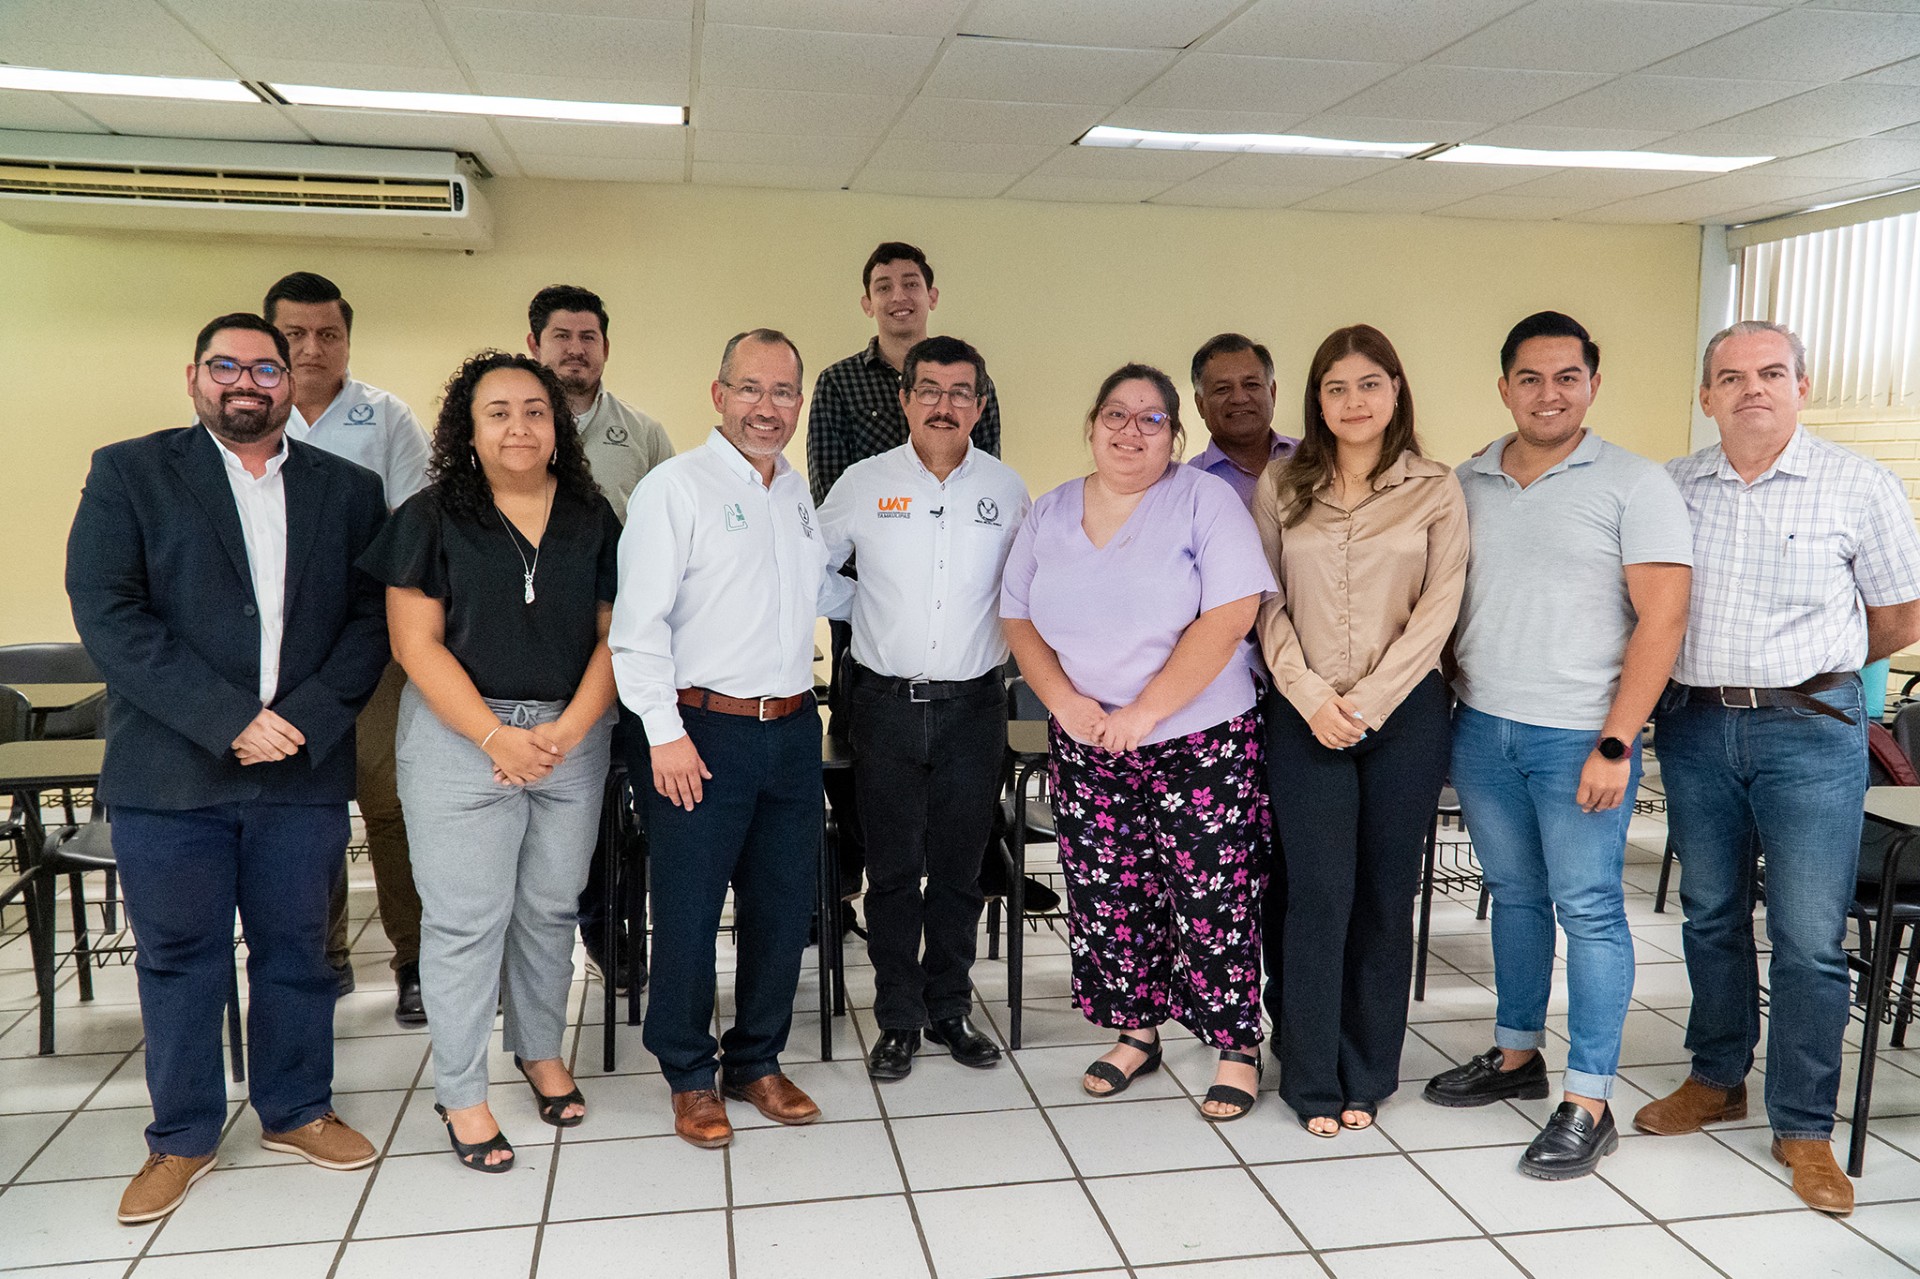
163	600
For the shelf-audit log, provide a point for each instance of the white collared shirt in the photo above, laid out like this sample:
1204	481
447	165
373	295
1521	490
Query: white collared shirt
622	444
930	552
1785	568
367	425
721	578
263	523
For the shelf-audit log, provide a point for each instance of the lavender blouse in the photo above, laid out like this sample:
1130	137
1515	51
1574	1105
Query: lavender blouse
1114	613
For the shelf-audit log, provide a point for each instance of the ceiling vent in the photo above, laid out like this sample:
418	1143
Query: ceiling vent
88	182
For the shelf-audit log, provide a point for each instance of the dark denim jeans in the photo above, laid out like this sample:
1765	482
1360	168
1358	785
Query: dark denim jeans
1791	782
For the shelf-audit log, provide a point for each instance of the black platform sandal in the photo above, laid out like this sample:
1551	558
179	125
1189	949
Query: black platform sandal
1366	1108
474	1153
1118	1080
554	1109
1227	1095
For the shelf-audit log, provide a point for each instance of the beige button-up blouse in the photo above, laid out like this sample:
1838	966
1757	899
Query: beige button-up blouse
1367	596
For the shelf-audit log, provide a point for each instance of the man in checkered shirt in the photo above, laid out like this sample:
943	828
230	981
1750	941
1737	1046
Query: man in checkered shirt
1806	566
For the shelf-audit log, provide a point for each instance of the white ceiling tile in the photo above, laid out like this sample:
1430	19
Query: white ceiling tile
1596	35
583	168
1907	73
1039	186
1665	102
1363	30
1224	82
1454	181
530	138
1560	137
147	118
1468	93
1243	196
1758	213
579	88
22	110
952	186
1503	207
958	157
134	37
359	75
1180	120
1130	163
1805	44
813	61
1012	71
791	176
77	55
1310	172
959	120
1866	158
655	57
1128	24
376	32
663	10
1365	128
775	148
1773	144
884	17
1843	110
1680	205
740	110
402	129
1354	199
1597	186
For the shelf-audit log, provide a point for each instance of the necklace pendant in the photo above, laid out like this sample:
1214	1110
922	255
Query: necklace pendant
529	581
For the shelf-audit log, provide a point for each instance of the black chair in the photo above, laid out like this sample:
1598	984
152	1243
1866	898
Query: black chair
55	664
1458	871
14	717
625	901
1886	905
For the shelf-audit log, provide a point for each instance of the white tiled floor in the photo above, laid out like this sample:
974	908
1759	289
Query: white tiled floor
953	1174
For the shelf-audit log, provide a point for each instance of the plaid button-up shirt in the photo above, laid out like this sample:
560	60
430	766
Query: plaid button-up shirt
856	415
1784	568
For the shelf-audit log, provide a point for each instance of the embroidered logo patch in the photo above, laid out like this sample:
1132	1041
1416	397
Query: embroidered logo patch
806	518
616	433
987	511
736	517
895	508
360	415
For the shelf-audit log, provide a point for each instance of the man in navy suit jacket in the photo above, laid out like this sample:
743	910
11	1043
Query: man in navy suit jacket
211	572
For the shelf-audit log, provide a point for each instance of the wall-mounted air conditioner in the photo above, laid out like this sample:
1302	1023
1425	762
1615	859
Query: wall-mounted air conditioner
90	182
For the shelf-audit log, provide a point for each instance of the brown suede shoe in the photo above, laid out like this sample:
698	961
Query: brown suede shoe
700	1117
778	1098
1817	1179
160	1186
327	1141
1690	1106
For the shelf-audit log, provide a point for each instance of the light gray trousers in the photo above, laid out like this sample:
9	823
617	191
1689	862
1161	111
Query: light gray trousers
499	869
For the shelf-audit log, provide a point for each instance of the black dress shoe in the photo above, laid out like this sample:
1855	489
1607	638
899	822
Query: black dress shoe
1571	1145
1481	1081
892	1055
409	1009
959	1037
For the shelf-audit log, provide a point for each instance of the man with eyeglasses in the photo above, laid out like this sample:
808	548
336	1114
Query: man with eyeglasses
211	573
364	424
931	522
722	574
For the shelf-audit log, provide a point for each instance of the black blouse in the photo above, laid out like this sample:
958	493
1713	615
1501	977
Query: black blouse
511	649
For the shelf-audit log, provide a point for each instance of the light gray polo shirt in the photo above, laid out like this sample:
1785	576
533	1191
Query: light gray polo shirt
1546	618
622	445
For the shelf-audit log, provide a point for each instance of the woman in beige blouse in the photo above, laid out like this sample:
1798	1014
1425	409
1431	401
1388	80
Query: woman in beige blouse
1368	540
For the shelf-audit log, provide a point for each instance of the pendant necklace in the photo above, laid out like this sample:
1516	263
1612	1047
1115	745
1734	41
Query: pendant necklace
527	570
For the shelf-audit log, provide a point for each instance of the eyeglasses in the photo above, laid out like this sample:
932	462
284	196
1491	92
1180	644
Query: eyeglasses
784	397
961	397
1148	422
266	374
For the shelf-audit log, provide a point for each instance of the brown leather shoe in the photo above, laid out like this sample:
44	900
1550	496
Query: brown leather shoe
1690	1106
160	1186
700	1117
1817	1179
778	1098
327	1141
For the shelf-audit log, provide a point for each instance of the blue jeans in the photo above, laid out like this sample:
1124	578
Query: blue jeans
1793	782
1543	857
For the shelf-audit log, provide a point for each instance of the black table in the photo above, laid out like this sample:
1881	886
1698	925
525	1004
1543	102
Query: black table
44	700
26	770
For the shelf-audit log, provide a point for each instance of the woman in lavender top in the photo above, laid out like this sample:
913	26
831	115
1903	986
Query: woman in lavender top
1127	596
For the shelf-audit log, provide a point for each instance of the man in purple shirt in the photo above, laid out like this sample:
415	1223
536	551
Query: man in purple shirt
1233	389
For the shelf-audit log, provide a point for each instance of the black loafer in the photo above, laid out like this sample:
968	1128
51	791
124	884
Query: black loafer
409	1009
1481	1082
1571	1145
959	1037
892	1055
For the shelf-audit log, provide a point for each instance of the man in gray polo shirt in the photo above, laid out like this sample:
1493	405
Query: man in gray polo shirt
1575	607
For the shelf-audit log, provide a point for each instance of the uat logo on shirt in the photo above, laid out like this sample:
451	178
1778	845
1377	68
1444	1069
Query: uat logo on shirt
895	508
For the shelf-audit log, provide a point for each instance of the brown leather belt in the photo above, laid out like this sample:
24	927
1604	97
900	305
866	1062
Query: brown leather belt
1799	697
760	708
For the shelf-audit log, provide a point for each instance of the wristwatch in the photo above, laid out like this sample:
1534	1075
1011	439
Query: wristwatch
1612	748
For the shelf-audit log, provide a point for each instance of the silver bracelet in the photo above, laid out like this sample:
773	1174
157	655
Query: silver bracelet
489	736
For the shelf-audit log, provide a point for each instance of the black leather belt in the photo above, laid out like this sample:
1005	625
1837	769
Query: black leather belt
1799	697
922	690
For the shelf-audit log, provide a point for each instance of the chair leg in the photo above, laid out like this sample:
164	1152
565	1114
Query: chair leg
1426	910
110	903
235	1047
993	928
1904	1014
610	917
1880	975
1486	898
82	943
1666	878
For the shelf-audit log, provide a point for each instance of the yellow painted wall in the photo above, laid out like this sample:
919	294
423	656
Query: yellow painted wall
97	330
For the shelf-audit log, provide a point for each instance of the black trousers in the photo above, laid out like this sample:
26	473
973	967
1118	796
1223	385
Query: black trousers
629	744
927	775
1353	824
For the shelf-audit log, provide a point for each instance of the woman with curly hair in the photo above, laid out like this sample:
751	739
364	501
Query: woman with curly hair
500	578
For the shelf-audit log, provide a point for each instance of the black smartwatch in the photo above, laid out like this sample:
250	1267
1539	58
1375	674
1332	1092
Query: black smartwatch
1612	748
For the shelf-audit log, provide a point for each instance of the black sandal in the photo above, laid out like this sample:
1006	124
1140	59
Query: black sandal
553	1109
1366	1108
1227	1095
474	1153
1108	1073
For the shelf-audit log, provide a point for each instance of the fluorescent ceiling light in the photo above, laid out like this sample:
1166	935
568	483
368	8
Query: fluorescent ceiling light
1249	143
125	86
1469	153
312	95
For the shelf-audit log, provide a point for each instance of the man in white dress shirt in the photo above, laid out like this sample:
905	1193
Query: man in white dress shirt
931	522
364	424
722	575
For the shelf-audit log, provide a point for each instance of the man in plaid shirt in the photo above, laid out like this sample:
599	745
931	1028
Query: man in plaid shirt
1806	566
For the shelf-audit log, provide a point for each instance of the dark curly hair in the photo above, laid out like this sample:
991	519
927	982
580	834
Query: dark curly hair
454	471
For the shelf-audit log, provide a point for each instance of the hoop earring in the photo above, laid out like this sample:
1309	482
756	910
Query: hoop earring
473	457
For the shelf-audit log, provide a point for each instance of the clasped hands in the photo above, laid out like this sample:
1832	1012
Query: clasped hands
1119	730
266	738
524	755
1338	724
